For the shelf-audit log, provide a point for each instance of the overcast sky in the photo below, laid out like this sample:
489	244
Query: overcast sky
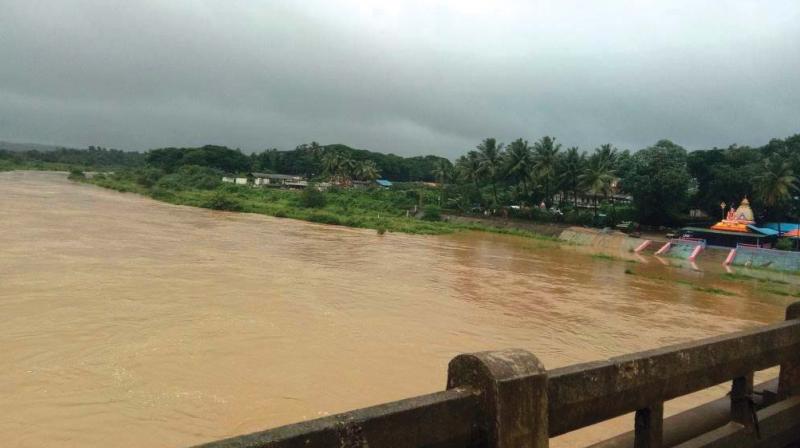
410	77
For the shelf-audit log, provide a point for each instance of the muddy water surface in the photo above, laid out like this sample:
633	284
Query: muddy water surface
130	322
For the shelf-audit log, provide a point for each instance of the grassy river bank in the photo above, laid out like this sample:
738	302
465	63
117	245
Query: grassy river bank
372	208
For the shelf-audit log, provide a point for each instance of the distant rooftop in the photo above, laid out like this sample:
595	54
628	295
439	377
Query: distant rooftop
276	176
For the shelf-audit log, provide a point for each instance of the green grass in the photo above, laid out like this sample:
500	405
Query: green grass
713	290
693	286
608	257
708	289
738	277
780	292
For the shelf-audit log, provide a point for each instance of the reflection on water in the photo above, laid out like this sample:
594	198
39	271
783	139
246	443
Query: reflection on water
148	324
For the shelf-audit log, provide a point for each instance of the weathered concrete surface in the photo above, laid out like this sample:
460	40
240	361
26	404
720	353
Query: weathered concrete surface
585	394
513	386
441	420
682	427
790	369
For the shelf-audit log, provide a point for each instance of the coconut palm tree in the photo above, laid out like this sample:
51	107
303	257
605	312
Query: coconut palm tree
607	154
596	179
331	163
468	167
572	166
443	171
518	163
545	165
491	159
366	170
347	168
338	166
775	184
468	170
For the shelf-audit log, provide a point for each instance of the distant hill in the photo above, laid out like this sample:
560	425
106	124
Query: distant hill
18	147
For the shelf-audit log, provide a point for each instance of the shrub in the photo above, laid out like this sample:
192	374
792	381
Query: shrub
148	177
324	218
191	177
76	175
161	194
784	244
312	198
579	218
540	215
200	177
432	213
222	201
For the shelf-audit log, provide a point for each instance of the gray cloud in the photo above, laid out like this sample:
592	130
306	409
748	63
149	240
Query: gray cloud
408	77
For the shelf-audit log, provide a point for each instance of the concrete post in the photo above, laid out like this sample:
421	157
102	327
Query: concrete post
741	394
789	378
513	387
649	427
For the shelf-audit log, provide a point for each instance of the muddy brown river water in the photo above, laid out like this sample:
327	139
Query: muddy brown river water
130	322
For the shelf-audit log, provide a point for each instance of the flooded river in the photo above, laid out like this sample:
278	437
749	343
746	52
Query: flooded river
130	322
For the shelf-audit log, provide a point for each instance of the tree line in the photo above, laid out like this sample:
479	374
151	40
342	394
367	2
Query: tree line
664	180
93	157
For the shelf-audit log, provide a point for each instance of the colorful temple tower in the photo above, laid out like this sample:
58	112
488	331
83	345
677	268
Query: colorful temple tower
738	219
738	227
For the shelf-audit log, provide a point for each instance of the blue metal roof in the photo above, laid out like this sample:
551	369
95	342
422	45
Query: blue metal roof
785	226
763	230
384	183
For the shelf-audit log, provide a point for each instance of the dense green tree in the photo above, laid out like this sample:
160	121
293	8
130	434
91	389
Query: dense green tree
659	182
722	175
218	157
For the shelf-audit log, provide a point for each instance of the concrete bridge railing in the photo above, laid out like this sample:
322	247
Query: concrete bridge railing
507	399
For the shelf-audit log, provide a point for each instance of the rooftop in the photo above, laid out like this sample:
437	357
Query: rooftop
755	231
276	176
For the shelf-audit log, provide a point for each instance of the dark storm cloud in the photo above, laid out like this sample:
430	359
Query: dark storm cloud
410	77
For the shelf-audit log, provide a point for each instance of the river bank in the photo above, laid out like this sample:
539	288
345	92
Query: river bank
379	209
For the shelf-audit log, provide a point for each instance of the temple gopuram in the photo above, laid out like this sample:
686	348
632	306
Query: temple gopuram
738	226
738	219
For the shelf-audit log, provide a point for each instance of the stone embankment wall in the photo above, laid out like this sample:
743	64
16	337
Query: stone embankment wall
610	242
767	259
